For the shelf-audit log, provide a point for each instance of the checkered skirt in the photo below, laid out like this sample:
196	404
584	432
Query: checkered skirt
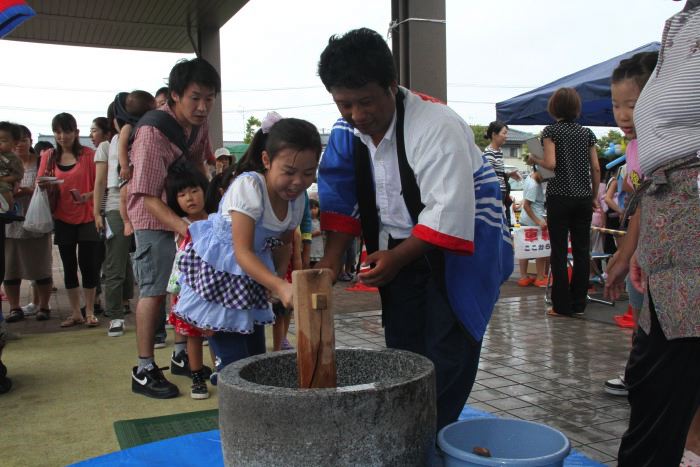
229	290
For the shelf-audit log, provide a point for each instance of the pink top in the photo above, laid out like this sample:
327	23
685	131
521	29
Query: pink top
634	172
151	154
80	177
598	219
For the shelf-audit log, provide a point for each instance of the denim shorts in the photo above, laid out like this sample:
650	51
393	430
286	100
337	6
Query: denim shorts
153	261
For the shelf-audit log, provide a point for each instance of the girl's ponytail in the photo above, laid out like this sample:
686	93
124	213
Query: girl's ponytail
277	133
252	159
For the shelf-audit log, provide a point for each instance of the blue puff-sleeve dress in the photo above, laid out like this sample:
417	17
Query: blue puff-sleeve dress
216	293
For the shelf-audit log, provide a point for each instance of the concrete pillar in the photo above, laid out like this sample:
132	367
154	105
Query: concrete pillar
210	50
419	47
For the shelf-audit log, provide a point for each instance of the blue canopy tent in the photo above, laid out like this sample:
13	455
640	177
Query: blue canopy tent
592	84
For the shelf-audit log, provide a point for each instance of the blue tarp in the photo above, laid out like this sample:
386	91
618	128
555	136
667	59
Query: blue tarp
592	84
205	449
12	14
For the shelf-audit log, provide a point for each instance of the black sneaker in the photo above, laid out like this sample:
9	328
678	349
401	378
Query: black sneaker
152	383
199	386
180	364
3	370
206	371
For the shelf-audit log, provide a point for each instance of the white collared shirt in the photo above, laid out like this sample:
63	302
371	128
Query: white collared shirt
394	218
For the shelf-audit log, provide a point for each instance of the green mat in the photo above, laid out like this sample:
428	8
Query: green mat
139	431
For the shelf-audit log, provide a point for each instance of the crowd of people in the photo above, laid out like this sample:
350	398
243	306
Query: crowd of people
153	205
653	199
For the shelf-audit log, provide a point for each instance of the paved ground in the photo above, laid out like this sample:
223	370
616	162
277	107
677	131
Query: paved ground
532	367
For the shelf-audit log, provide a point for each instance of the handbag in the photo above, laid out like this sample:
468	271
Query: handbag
53	192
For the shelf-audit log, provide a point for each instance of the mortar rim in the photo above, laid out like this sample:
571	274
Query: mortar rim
234	379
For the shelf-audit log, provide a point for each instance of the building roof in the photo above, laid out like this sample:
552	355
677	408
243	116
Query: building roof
157	25
517	137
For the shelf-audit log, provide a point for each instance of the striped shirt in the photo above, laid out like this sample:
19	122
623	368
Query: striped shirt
495	158
668	109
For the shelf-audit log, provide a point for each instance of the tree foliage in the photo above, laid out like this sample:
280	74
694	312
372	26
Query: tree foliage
251	126
604	141
480	136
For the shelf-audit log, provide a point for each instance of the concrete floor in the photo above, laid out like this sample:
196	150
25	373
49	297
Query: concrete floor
532	367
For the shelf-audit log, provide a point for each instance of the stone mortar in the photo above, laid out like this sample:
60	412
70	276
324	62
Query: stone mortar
381	414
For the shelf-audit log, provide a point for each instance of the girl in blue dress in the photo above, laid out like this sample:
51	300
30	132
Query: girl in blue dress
231	266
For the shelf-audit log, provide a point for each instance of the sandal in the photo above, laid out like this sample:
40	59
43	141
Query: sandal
44	314
16	314
91	321
70	322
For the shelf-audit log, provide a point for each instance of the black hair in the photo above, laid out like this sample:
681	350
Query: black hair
13	129
313	203
227	177
357	58
111	117
186	72
163	90
212	198
66	122
217	186
638	67
182	174
24	132
103	124
291	133
42	146
495	127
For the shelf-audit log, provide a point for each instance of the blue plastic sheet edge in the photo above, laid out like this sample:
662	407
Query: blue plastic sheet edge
199	449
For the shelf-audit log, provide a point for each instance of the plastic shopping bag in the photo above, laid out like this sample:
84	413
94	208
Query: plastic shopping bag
173	286
174	279
38	217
